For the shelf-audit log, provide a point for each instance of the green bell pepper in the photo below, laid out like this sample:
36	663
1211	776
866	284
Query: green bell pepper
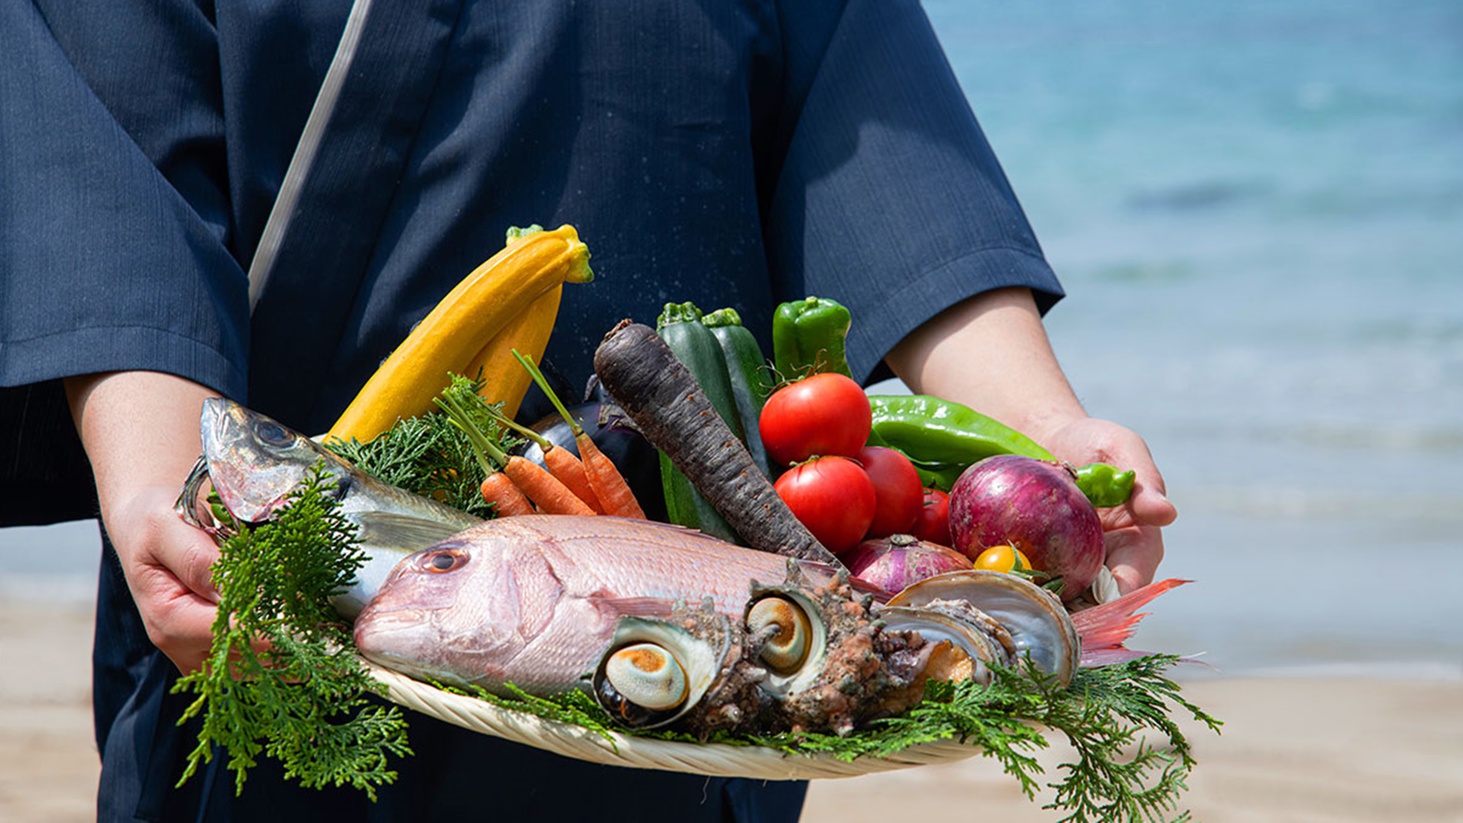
808	336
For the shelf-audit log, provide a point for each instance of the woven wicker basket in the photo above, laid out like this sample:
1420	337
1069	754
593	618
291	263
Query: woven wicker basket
713	759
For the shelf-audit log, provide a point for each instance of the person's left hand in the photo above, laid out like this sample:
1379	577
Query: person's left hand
1132	531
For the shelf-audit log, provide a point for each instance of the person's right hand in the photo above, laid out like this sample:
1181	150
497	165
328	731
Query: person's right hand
140	430
168	564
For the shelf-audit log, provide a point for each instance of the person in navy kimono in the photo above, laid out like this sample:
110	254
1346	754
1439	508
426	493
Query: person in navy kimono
353	162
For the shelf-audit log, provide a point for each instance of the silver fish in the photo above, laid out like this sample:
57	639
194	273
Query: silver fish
254	463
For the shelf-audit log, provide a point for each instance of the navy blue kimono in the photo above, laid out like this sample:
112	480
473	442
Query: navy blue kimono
727	153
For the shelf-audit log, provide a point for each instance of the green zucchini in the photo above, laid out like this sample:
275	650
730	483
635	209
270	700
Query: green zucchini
679	325
750	377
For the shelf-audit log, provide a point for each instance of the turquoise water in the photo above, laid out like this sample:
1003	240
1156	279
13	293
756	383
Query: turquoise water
1257	210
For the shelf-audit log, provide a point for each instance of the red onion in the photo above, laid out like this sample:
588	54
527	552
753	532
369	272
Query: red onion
896	561
1034	505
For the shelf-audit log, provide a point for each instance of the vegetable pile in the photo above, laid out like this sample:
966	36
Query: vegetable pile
791	457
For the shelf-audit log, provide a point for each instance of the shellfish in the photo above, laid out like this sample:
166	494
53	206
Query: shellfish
1038	625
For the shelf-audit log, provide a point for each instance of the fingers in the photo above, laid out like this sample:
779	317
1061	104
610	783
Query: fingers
178	622
168	567
1150	506
1133	555
190	557
1133	531
1123	448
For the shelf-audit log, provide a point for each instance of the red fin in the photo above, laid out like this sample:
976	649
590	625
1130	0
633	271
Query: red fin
1104	628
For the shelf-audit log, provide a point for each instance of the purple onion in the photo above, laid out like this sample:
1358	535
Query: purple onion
899	560
1034	505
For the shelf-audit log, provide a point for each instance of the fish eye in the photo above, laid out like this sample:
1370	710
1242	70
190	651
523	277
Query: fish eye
272	433
442	561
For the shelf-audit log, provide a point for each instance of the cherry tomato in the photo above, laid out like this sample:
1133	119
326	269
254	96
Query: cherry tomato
826	414
898	493
1002	558
833	497
933	523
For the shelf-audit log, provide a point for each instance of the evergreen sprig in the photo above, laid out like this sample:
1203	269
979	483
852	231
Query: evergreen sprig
1106	714
282	678
429	455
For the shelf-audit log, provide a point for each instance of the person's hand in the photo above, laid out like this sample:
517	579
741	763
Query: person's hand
1017	380
140	430
167	564
1132	531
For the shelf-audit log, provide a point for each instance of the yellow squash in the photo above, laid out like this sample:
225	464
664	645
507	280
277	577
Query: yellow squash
504	379
450	337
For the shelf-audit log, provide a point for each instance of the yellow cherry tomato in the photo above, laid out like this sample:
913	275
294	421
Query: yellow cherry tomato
1002	558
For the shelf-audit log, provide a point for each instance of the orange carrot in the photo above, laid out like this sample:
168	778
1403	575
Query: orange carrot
614	494
560	462
608	484
505	497
570	471
498	487
546	491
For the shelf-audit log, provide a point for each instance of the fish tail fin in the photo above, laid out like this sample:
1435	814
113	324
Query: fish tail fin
1105	628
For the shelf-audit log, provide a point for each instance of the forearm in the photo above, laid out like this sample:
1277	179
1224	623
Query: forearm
139	429
991	352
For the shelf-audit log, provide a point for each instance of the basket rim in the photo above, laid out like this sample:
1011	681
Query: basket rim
617	749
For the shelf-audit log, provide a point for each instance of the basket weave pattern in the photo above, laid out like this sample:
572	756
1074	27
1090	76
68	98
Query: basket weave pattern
713	759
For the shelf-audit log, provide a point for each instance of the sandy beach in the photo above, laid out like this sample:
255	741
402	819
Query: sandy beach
1292	748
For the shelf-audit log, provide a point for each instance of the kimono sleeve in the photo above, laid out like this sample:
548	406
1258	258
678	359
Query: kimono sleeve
113	226
889	198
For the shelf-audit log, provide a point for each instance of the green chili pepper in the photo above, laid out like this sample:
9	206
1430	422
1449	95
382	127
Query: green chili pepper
808	336
942	478
1104	485
942	437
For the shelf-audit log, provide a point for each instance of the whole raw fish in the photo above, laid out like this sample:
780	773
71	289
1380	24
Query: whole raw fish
533	600
255	463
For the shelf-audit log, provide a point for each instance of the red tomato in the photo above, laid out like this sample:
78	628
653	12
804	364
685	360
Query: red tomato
898	493
826	414
833	497
933	523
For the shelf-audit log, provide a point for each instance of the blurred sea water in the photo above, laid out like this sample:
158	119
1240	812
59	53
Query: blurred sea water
1256	209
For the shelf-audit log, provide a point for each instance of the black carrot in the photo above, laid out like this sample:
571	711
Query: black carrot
660	395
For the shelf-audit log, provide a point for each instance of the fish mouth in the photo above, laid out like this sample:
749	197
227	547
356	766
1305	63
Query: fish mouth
394	639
